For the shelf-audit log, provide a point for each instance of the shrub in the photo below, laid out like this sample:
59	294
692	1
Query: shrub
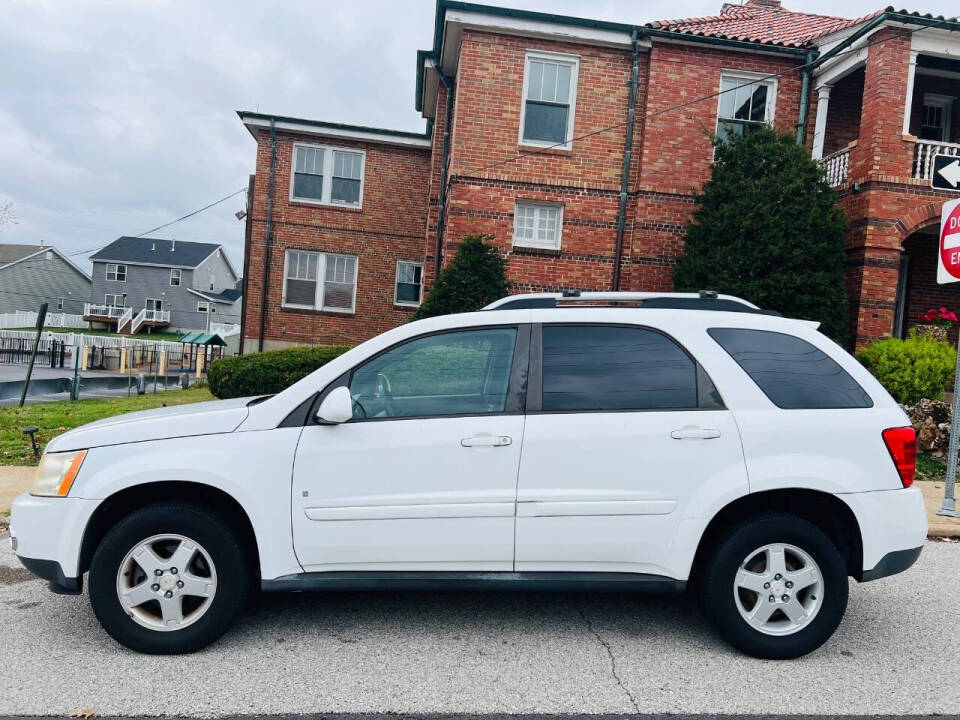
475	277
769	230
911	369
268	372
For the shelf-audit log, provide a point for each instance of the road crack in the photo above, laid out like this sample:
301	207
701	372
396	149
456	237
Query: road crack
610	654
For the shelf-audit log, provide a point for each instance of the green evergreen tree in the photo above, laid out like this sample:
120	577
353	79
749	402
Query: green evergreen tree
768	229
475	277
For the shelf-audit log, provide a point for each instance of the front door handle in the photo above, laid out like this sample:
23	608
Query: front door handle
487	441
695	432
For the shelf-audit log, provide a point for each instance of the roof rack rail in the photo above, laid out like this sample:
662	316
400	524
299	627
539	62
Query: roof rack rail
703	300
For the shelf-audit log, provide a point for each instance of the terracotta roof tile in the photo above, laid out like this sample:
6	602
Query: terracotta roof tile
762	21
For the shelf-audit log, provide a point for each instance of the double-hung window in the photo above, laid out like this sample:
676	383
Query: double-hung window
175	275
327	175
113	300
117	273
60	304
537	225
747	103
409	283
320	281
549	99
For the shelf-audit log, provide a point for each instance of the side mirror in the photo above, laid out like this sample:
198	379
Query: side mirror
337	407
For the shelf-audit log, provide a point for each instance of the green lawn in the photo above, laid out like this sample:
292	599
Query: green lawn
54	418
155	335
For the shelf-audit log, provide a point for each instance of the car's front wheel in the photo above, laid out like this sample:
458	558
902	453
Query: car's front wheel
775	586
169	578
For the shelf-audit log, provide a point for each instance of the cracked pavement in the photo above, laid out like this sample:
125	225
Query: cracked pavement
895	652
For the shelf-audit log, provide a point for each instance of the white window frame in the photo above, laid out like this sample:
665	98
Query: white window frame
156	301
944	102
772	83
321	282
396	284
179	274
123	299
116	272
574	61
59	304
537	204
203	306
329	150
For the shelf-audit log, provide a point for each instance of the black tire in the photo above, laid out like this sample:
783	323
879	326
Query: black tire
199	523
718	572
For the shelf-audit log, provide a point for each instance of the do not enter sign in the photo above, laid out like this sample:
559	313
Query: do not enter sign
948	266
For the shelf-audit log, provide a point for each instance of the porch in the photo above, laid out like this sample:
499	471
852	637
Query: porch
125	321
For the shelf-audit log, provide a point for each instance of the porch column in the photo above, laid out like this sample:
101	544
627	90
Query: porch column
908	105
820	128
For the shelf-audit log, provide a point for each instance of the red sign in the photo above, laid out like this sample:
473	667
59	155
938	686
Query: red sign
948	267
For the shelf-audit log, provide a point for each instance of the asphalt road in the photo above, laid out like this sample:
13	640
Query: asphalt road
895	653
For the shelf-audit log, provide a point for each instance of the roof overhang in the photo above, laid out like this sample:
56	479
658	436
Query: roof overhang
222	301
45	249
256	122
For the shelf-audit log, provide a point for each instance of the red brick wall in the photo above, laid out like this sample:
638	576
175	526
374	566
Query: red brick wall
923	291
389	227
843	113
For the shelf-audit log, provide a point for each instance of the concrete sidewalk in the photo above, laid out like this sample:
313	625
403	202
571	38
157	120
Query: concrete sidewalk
15	480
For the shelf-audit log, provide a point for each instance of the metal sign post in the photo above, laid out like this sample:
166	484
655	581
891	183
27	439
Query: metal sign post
41	318
948	271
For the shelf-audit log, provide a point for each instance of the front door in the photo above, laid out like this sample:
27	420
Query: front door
424	476
625	434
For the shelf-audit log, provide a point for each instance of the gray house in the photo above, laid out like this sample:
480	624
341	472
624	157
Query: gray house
35	274
174	285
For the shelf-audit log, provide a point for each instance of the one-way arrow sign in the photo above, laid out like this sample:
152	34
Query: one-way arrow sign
946	172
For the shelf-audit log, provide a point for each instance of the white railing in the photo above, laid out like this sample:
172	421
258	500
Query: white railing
125	317
154	316
137	321
107	311
224	330
836	167
27	318
926	151
80	340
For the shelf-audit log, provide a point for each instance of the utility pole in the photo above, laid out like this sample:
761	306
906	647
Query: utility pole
41	318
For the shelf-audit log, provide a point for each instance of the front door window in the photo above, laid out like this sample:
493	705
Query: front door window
154	304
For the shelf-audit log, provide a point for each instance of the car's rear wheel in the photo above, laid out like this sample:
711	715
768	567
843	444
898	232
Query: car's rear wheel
169	578
774	587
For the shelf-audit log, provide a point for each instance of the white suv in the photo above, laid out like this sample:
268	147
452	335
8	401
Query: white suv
625	441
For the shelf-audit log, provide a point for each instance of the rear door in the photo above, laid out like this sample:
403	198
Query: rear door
624	432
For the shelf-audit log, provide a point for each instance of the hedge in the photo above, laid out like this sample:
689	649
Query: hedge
911	369
268	372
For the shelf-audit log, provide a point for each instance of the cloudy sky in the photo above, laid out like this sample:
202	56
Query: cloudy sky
118	116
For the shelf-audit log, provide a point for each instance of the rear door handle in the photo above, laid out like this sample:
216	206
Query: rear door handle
487	441
694	432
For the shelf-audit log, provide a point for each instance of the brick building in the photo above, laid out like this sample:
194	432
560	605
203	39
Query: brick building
578	145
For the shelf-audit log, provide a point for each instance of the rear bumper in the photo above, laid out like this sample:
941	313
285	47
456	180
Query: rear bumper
891	564
893	528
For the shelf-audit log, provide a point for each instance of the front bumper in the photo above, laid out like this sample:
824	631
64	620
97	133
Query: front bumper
46	534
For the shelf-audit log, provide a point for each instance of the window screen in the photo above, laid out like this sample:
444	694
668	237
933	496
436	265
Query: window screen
598	367
791	372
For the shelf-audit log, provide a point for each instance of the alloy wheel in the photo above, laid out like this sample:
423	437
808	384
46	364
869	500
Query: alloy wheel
778	589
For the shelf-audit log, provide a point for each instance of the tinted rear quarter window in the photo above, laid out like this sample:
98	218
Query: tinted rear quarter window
791	372
609	367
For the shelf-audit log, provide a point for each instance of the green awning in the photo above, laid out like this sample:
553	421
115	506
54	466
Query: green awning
200	338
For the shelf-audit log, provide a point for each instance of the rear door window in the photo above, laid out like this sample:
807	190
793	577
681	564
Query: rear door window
610	367
794	374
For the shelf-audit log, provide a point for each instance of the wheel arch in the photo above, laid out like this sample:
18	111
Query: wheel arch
128	499
825	510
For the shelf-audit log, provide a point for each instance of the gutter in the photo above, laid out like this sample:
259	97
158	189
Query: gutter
444	160
268	235
627	157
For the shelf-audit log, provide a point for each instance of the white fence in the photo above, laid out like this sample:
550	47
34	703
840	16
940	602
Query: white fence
225	330
26	318
81	340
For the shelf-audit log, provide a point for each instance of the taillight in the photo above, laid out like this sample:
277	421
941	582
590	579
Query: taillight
902	444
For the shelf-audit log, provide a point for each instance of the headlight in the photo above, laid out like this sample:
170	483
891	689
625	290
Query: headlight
56	473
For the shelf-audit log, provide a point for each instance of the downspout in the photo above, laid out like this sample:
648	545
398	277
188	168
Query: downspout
805	76
627	158
444	159
268	237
